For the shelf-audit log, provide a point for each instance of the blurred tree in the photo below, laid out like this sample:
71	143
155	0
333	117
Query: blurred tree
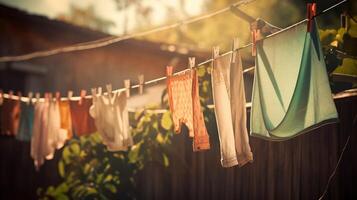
142	12
340	48
86	17
216	30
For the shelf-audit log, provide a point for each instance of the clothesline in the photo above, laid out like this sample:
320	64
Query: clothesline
26	99
114	39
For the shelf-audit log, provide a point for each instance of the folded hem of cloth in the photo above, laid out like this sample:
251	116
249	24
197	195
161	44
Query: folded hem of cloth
245	158
201	143
230	162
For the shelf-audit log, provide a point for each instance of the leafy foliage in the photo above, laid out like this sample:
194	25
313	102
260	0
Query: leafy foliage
89	171
345	41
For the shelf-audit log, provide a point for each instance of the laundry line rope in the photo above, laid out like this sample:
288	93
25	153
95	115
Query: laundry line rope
114	39
154	81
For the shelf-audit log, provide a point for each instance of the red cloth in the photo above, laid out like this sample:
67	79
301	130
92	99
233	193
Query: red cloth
10	117
83	123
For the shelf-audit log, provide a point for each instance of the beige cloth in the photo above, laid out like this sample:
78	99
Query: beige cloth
111	118
230	111
39	134
47	134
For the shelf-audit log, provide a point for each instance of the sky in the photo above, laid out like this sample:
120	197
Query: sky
105	9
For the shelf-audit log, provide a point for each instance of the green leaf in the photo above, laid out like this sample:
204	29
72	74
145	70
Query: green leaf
166	160
75	148
90	191
166	121
62	197
61	168
66	155
111	187
62	188
86	169
348	67
50	190
134	153
108	178
159	138
201	71
99	178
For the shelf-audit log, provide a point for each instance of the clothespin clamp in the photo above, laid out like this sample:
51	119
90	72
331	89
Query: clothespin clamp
94	92
127	87
169	70
215	54
19	94
109	90
58	96
191	62
46	96
82	96
99	91
254	33
50	96
311	13
30	95
234	49
11	94
141	83
37	95
70	94
1	97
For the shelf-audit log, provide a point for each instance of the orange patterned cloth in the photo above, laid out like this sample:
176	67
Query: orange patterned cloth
185	107
66	120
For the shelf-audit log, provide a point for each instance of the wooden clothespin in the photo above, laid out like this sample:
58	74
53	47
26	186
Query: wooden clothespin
109	90
46	96
58	96
215	52
235	46
11	94
94	92
1	97
19	94
311	13
169	70
254	33
50	96
99	91
127	86
82	96
38	96
191	62
30	95
70	94
141	83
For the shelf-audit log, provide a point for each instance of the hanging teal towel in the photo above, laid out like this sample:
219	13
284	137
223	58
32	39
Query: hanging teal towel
291	92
